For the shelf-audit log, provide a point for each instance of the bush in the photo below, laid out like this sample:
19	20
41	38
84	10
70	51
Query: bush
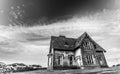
118	65
113	65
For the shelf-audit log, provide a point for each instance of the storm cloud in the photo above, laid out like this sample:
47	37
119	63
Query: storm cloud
27	12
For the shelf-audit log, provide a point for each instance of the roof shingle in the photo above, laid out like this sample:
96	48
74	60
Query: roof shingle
63	43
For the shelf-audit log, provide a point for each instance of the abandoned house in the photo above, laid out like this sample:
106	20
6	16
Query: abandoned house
79	53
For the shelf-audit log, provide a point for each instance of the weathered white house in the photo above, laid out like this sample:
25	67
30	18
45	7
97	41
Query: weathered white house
70	53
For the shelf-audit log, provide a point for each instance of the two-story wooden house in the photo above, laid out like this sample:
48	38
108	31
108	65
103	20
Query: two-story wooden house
71	53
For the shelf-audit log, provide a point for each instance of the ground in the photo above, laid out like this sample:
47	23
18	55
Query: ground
113	70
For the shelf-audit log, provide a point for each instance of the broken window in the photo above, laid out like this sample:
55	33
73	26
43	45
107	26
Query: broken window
89	59
71	59
95	46
58	59
66	44
100	58
87	44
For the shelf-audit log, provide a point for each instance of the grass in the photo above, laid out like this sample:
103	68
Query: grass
113	70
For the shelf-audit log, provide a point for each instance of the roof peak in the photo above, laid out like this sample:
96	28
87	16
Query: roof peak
73	43
85	33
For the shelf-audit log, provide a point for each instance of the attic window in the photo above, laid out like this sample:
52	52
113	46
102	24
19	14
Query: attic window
66	44
95	46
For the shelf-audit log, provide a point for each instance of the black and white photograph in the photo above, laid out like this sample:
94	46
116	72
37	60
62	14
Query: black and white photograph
59	36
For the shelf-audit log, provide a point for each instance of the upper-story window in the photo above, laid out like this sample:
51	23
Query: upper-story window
87	44
95	46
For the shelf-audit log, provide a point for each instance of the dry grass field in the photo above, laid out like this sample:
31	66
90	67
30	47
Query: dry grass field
113	70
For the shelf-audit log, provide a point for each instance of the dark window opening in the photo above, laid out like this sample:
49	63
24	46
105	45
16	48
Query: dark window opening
71	60
100	58
95	46
59	60
66	43
89	59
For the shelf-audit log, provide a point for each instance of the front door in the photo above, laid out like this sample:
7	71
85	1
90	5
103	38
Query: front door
66	61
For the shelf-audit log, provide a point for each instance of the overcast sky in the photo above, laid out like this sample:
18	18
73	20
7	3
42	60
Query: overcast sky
30	43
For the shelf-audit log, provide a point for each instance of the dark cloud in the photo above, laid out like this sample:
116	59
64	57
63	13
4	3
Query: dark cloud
48	10
53	8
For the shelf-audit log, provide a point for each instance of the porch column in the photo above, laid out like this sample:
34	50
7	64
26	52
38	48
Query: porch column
48	61
72	60
62	60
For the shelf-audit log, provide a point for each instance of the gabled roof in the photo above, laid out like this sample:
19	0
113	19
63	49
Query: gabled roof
81	38
63	43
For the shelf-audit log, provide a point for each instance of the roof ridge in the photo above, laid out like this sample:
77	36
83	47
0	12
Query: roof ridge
65	37
80	39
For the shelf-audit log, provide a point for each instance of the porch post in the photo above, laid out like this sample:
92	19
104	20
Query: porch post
48	61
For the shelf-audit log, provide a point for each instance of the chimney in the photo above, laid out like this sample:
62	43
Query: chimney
62	36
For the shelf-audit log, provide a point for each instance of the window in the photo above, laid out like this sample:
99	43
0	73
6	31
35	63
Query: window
66	44
90	45
59	60
77	57
71	60
89	59
95	46
100	59
87	44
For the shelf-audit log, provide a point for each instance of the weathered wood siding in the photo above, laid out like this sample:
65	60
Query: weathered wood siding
61	58
78	57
